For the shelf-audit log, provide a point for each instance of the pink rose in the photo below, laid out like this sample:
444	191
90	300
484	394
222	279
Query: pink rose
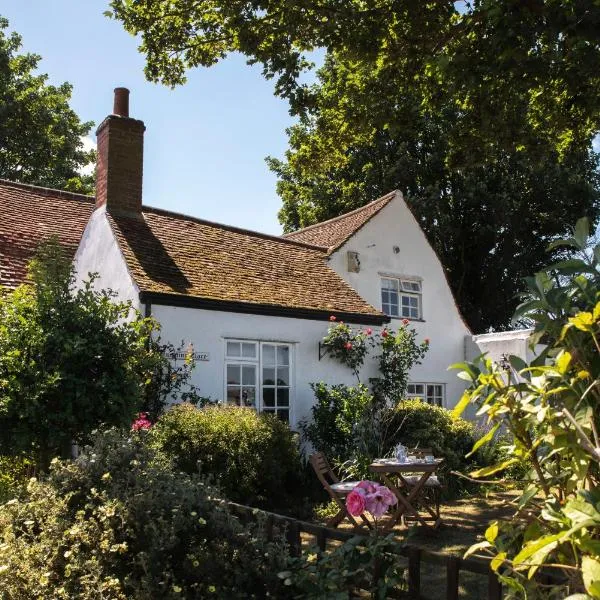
141	422
368	486
369	331
427	341
355	503
384	333
348	346
379	501
405	321
332	318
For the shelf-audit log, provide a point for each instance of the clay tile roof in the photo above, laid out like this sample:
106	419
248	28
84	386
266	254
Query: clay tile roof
30	214
168	253
333	233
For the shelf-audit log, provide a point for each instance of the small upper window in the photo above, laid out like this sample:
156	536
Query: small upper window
401	298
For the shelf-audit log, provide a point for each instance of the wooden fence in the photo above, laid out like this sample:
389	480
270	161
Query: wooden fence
453	565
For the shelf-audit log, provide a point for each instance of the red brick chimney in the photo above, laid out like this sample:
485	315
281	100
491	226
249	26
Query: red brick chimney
119	166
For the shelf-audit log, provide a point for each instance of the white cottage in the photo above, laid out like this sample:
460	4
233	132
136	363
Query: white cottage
255	306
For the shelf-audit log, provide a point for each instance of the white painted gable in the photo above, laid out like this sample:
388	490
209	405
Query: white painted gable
392	244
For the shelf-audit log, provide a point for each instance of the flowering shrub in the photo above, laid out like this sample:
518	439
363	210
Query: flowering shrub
348	346
141	422
399	353
372	497
120	523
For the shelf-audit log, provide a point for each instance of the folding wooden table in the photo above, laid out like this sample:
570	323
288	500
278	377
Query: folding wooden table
408	494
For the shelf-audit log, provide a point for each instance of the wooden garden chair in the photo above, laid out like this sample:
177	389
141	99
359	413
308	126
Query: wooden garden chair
337	490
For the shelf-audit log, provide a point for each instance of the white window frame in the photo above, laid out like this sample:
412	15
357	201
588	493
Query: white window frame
405	288
258	361
428	393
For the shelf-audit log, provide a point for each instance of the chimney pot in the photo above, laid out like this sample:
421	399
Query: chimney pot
121	104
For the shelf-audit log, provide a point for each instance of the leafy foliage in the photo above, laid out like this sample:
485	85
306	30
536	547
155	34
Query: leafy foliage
346	345
14	473
481	113
511	72
253	457
335	417
366	135
373	565
399	354
121	523
40	134
551	408
70	360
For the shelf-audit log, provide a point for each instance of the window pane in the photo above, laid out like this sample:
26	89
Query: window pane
283	355
249	375
248	350
269	354
233	396
283	376
389	284
233	349
438	391
284	415
269	376
411	286
283	397
233	374
268	397
248	396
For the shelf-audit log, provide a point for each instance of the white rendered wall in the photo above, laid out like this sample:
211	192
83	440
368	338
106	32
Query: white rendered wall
99	252
208	331
393	226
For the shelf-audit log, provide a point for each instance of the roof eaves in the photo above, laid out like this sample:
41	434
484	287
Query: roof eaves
44	191
239	306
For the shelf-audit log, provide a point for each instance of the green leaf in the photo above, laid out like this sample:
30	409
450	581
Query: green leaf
582	232
494	468
590	569
491	533
546	543
489	436
497	561
461	405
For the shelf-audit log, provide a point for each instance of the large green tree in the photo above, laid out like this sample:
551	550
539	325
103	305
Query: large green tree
494	60
40	135
489	222
483	113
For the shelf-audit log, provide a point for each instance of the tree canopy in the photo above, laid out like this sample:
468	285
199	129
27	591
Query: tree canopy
483	113
40	135
514	70
490	223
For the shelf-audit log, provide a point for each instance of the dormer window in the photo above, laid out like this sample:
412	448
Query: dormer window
401	298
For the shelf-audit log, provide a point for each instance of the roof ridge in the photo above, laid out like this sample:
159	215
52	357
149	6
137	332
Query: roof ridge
46	191
387	196
233	228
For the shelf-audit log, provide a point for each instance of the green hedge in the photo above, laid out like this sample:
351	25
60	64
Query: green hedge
121	523
14	473
253	458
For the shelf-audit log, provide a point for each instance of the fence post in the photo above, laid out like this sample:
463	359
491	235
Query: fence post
321	539
452	570
414	572
494	586
293	537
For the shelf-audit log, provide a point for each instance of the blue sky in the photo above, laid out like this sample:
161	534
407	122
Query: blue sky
205	141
